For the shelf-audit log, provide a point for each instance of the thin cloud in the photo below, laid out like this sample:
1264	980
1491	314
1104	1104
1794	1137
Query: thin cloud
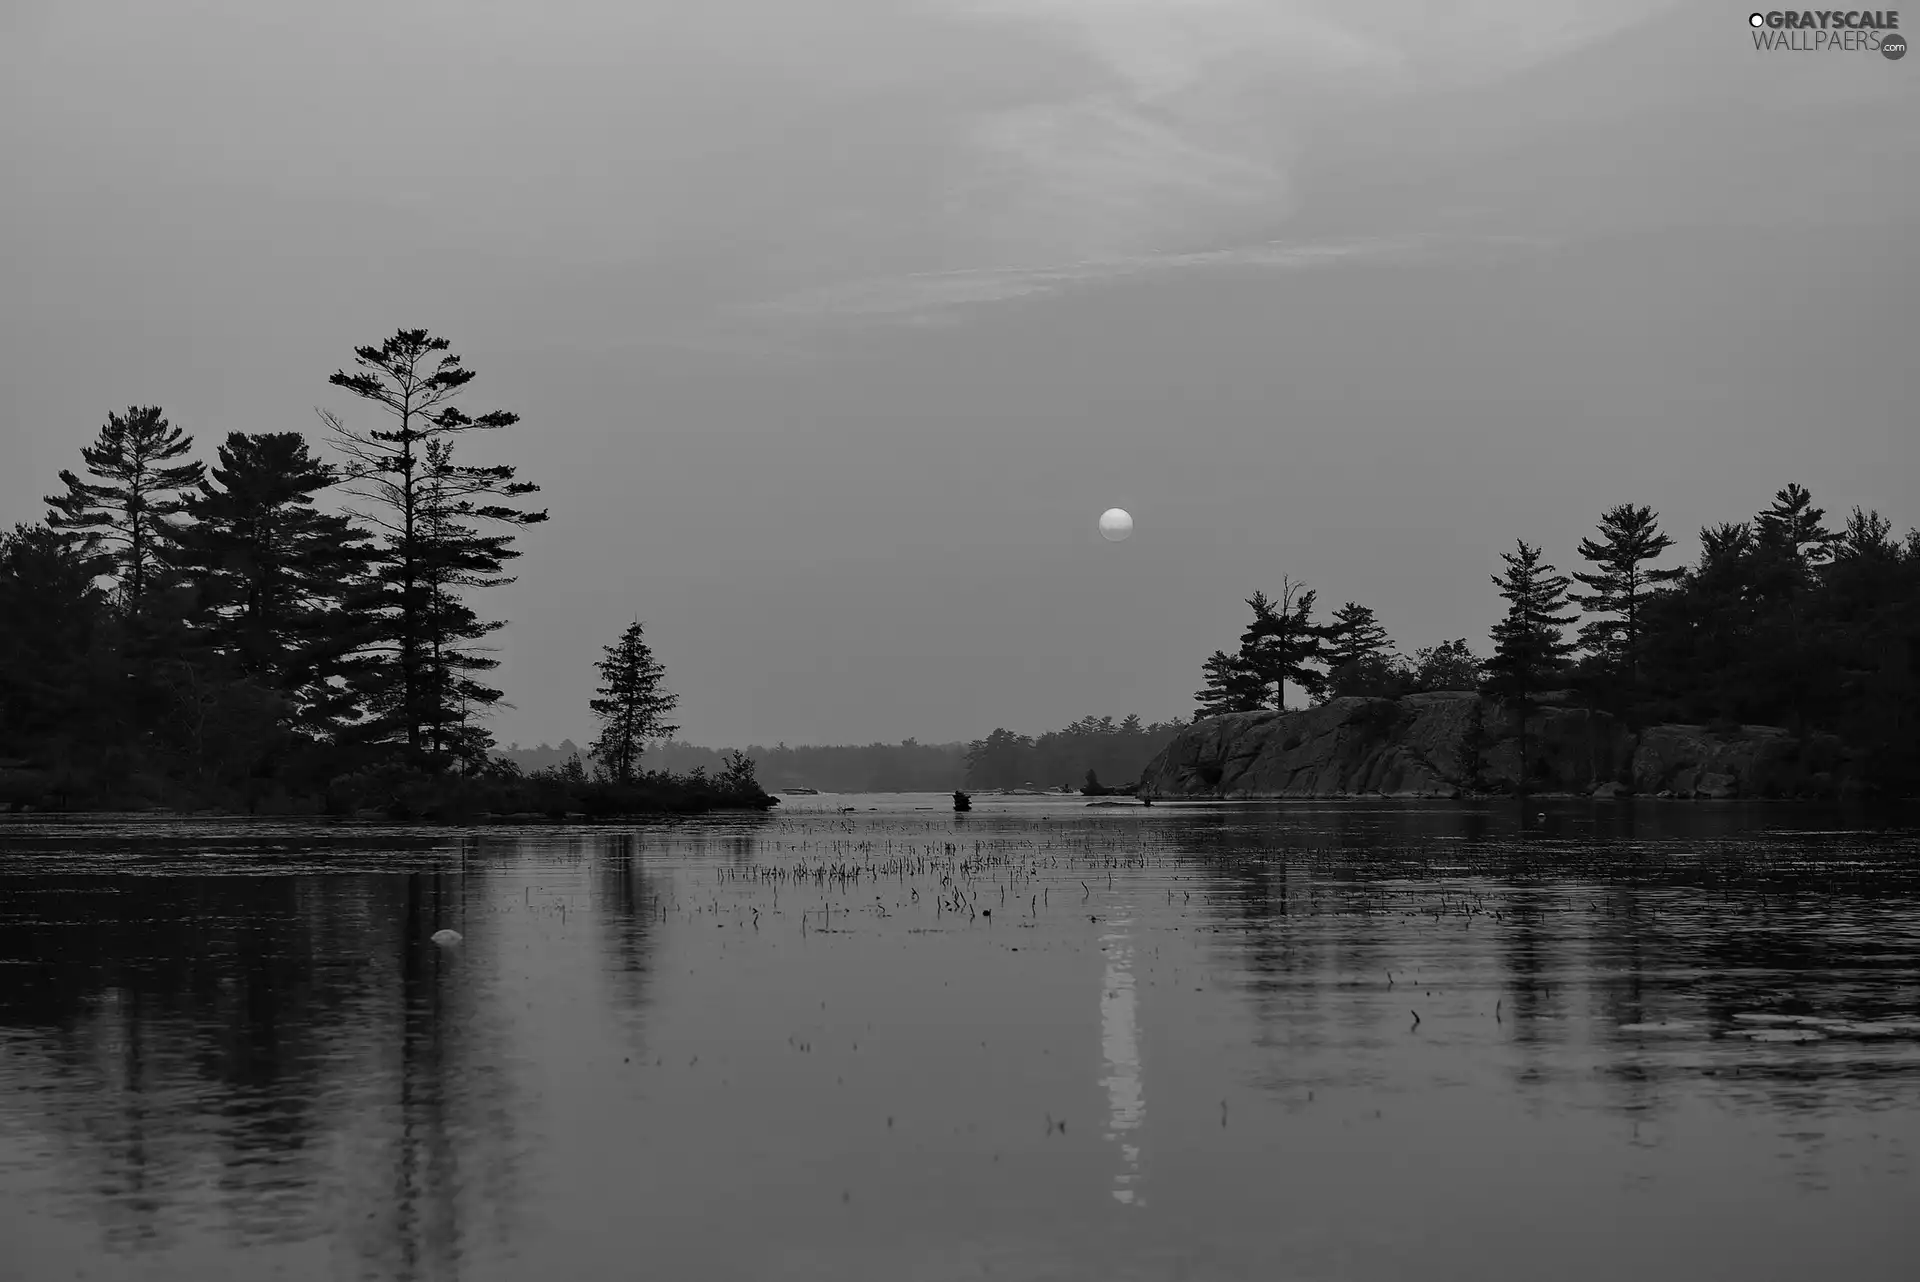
1198	108
935	297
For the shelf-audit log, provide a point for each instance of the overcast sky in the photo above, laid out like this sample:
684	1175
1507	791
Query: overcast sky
835	324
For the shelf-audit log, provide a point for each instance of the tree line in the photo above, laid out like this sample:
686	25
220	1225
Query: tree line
1113	751
1082	754
178	633
1781	620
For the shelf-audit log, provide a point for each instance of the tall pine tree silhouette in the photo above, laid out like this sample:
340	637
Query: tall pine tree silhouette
128	511
429	513
1282	642
1528	649
1622	581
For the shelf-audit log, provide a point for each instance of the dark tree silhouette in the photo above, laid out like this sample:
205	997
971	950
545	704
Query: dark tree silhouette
1231	687
129	512
1282	643
1355	635
1622	580
1529	651
274	574
1359	656
631	705
458	554
1447	666
51	615
737	777
1791	530
426	509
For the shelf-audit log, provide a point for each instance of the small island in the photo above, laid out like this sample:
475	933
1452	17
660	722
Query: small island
179	636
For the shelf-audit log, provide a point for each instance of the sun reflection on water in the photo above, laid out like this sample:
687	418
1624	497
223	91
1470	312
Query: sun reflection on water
1120	1040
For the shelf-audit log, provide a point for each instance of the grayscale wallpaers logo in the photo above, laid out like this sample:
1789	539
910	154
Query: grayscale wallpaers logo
1829	31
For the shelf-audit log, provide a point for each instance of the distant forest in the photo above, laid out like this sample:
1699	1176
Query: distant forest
1116	751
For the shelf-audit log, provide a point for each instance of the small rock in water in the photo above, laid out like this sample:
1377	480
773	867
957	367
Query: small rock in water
446	937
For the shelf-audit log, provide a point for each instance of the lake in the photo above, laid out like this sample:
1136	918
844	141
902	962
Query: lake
1039	1040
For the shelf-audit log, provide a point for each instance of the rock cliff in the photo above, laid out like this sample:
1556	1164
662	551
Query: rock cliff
1449	744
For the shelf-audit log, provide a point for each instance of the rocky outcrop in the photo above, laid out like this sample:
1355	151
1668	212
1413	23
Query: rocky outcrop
1448	744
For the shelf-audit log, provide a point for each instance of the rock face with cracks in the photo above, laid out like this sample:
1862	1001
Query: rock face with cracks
1450	743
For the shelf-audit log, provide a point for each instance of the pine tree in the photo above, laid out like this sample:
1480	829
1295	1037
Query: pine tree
1791	546
1697	643
1354	636
1281	643
427	511
273	572
1230	687
51	615
1621	583
737	776
1791	529
129	513
458	555
1528	650
631	705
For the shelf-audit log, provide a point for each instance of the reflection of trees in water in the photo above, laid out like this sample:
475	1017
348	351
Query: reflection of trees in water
437	1146
1651	923
259	1054
629	906
1536	956
1273	894
151	997
631	898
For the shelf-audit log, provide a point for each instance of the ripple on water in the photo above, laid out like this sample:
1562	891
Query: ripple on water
847	1044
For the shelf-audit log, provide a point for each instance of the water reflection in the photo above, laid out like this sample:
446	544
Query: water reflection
268	1057
629	904
219	1059
1120	1042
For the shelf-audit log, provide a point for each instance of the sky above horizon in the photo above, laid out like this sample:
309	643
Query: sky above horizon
835	324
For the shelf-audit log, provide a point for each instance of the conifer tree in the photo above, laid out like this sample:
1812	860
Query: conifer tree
428	512
1282	642
458	554
1230	687
1791	529
737	775
631	705
51	615
129	513
1528	649
1791	547
1630	537
273	572
1355	636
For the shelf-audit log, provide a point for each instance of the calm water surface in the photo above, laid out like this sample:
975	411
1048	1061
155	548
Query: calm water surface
1042	1040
